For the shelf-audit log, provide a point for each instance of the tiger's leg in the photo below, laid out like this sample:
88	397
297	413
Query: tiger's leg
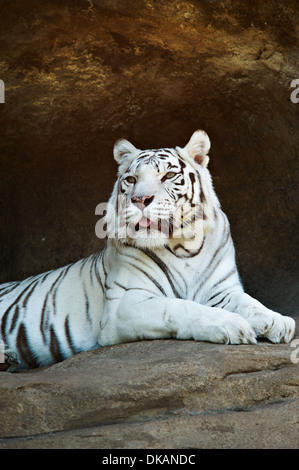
9	361
266	323
141	316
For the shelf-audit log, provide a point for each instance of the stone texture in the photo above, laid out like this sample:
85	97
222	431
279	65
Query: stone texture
270	427
80	74
155	394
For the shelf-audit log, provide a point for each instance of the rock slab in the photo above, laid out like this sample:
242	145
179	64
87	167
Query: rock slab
156	394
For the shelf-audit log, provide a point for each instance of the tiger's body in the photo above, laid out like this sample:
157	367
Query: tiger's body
168	270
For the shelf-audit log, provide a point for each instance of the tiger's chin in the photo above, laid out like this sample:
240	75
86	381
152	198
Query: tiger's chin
154	235
155	242
149	243
149	234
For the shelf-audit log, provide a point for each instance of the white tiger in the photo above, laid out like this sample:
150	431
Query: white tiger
168	270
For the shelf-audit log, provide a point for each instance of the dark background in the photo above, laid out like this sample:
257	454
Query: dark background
80	74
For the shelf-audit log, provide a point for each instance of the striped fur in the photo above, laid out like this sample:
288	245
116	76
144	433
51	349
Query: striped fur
168	270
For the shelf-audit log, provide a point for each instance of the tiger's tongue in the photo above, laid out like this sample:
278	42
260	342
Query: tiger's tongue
144	222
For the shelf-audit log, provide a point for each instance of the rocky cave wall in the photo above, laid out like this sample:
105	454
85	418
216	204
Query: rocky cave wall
80	74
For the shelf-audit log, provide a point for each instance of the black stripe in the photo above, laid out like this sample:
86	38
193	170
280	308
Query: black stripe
150	277
3	326
87	308
224	278
41	326
170	165
14	319
181	162
145	300
23	348
189	253
55	349
135	258
179	245
94	269
226	236
7	290
169	191
62	275
192	179
5	316
46	275
84	261
220	301
210	268
213	296
24	304
179	184
209	274
155	164
105	274
98	277
162	266
121	286
93	261
169	152
68	336
202	197
21	294
134	288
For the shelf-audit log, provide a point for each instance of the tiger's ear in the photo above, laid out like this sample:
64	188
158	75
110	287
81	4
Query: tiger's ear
122	150
198	147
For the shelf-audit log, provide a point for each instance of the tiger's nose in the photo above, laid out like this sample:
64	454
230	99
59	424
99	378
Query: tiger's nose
142	200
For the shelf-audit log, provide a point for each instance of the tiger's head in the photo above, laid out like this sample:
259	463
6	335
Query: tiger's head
162	196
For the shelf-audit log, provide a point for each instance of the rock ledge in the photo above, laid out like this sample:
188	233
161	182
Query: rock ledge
156	394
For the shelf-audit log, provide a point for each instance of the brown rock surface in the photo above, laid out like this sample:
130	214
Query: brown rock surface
155	394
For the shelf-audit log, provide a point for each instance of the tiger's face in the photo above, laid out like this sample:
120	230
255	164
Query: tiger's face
160	196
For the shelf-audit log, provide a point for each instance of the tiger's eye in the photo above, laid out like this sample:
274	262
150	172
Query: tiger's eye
131	179
169	175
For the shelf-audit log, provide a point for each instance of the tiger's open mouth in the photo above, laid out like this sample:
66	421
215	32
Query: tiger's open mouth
163	226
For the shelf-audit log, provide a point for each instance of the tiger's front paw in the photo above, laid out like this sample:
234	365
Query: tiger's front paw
275	327
226	327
